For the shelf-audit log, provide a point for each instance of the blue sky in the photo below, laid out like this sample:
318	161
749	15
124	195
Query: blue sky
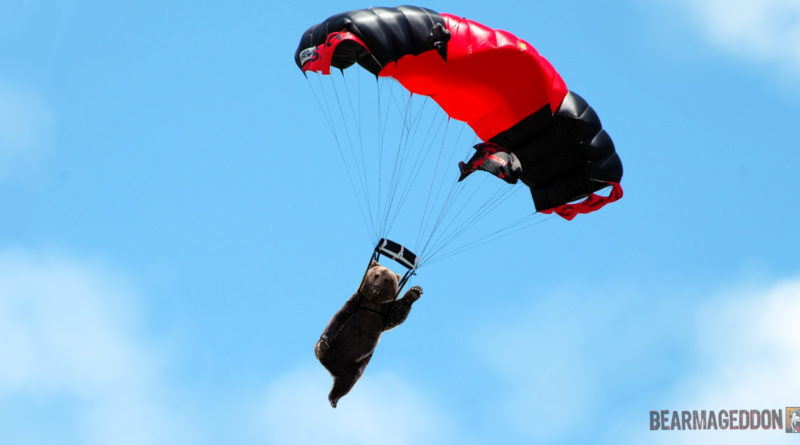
177	231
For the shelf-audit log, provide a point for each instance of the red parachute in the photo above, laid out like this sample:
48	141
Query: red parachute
497	83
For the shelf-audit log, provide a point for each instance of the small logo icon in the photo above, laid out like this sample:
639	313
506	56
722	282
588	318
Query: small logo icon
308	54
793	419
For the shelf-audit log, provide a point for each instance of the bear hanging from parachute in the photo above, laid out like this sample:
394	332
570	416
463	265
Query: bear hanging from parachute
349	340
533	129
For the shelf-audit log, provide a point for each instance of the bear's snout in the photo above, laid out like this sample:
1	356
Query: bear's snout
380	285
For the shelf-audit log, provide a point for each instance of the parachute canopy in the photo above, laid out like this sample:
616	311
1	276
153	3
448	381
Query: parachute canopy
492	80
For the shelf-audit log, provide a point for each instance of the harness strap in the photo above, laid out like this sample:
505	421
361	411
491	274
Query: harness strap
377	308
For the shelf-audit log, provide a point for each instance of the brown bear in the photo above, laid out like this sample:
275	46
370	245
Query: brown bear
347	343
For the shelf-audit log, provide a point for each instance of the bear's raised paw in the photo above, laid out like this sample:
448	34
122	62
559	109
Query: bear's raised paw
414	293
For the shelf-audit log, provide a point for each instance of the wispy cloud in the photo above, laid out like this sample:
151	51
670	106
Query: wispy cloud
27	124
382	408
541	368
68	336
613	357
747	357
572	352
762	31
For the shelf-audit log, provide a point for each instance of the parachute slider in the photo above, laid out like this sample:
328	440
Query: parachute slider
397	252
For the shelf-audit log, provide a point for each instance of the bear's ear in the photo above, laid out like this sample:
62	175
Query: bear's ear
399	277
373	263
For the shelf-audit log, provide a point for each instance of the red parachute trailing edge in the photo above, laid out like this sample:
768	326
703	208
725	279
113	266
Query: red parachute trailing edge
497	83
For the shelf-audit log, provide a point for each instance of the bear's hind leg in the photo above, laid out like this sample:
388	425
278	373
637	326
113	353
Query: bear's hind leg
343	383
341	386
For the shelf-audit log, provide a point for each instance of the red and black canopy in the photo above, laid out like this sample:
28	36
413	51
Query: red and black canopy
494	81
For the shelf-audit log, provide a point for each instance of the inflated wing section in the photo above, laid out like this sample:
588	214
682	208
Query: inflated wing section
567	156
488	78
383	35
491	79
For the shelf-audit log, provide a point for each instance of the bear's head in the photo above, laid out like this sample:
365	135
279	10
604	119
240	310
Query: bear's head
380	284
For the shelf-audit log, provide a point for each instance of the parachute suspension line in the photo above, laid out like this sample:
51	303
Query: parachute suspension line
456	191
393	203
433	182
383	119
450	160
452	197
517	226
456	225
447	203
362	165
390	195
419	149
413	162
393	101
453	231
325	107
384	115
351	146
397	166
521	224
498	196
441	216
344	121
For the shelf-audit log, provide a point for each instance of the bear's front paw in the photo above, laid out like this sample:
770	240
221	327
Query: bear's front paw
321	348
414	293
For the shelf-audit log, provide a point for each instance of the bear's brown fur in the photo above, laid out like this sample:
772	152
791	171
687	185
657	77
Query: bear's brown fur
347	343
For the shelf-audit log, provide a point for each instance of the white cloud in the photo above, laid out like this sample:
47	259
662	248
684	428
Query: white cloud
67	335
563	353
27	124
762	31
747	357
540	358
750	346
382	408
621	356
